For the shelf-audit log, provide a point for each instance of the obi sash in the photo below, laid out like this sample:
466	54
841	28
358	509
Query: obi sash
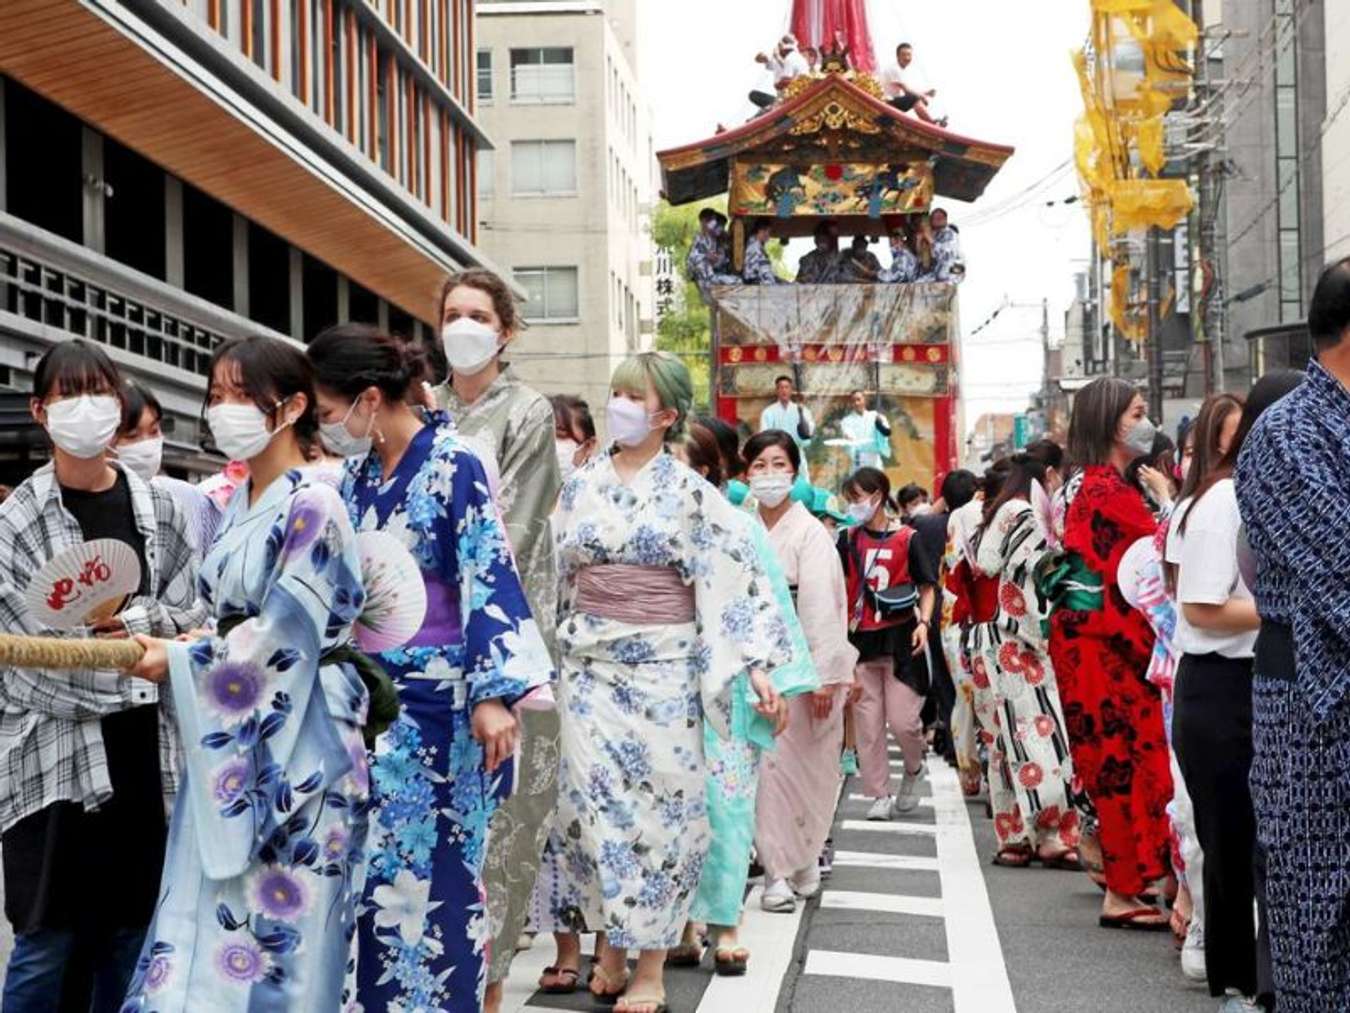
638	595
983	599
1065	581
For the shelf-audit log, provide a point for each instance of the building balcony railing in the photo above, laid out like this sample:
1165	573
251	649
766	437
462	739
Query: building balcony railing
51	281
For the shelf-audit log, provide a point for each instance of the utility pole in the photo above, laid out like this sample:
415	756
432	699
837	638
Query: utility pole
1207	323
1154	350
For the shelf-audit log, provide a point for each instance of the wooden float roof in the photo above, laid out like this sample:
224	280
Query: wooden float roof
836	117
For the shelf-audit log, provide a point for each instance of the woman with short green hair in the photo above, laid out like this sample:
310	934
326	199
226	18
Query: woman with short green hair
664	604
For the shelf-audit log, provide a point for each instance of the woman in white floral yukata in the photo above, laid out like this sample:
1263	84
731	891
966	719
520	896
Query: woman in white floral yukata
664	604
442	770
1030	769
265	858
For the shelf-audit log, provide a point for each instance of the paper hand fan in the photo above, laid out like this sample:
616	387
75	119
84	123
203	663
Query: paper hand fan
84	584
396	598
1044	508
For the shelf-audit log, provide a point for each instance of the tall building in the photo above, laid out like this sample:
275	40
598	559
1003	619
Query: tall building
565	196
175	172
1271	59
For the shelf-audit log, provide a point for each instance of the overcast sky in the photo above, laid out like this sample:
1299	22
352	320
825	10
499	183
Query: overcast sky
1003	74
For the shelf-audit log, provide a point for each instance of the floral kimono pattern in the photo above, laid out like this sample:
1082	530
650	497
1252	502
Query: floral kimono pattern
265	857
1030	769
515	423
631	832
424	935
1112	715
733	763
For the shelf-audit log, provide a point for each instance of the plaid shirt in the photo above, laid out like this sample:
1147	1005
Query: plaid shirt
51	739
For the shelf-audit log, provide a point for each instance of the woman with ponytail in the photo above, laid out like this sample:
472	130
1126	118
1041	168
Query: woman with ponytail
1030	771
441	771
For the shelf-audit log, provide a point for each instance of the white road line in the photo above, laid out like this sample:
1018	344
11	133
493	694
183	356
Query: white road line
862	965
855	797
770	938
979	976
875	860
891	827
849	900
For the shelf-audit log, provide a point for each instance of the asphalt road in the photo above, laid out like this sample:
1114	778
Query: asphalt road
916	919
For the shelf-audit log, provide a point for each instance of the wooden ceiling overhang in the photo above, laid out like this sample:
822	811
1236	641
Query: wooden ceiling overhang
105	65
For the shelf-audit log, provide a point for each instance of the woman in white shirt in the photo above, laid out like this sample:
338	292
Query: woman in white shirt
1216	632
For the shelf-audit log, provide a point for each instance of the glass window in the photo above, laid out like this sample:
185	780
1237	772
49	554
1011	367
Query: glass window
1290	284
551	292
1286	122
1285	45
544	167
486	167
258	42
543	75
485	75
1287	181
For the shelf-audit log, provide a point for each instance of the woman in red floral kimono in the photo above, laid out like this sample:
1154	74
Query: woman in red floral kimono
1113	716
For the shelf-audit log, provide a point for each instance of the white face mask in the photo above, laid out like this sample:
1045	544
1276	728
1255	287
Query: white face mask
862	512
469	345
340	440
627	421
240	430
143	457
770	490
1139	437
567	457
84	426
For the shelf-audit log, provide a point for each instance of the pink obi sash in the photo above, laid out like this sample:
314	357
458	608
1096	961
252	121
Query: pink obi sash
639	595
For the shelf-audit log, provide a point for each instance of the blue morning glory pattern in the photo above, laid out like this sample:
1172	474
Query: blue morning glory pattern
423	926
266	847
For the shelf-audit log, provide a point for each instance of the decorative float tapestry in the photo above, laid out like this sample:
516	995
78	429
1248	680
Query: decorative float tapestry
895	343
779	190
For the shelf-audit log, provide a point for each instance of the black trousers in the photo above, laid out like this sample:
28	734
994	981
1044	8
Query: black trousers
1212	736
762	99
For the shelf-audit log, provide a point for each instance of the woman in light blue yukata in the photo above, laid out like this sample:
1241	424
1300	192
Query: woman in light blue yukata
265	856
440	772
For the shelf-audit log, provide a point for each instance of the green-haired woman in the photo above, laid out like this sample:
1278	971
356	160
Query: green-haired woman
664	603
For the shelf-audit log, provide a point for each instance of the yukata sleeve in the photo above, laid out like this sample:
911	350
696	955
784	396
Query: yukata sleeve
530	482
174	608
797	674
251	711
733	604
505	656
1024	545
1124	507
822	606
1294	496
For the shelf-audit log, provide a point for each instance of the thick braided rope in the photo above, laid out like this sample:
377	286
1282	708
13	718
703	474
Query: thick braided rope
51	652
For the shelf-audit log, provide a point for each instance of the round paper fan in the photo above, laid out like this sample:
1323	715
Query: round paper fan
396	598
84	584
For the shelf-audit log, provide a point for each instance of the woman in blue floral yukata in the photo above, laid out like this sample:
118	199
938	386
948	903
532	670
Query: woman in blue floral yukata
265	856
664	605
440	772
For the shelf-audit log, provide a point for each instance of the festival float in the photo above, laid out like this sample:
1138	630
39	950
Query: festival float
832	149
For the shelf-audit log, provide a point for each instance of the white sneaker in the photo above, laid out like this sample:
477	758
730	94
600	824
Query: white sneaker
806	882
1193	951
908	799
881	809
1239	1004
778	897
